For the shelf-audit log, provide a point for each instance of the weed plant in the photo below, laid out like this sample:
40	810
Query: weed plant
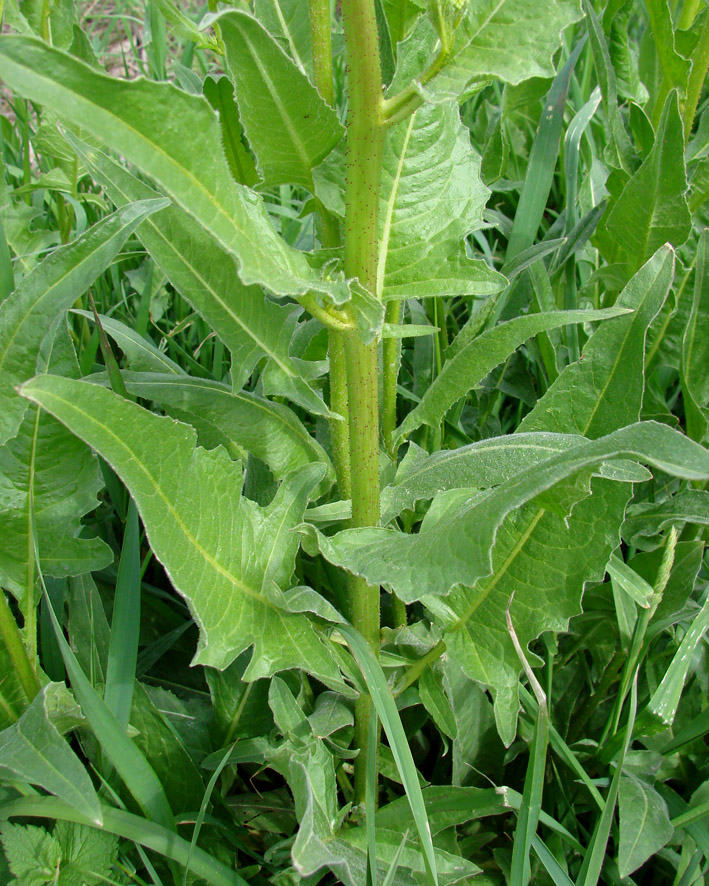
353	425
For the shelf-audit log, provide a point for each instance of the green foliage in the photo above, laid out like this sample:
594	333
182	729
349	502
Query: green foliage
379	397
71	855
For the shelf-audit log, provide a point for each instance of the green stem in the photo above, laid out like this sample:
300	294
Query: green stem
700	66
11	637
416	669
339	403
320	30
690	8
30	604
332	318
363	163
401	106
391	358
44	21
322	48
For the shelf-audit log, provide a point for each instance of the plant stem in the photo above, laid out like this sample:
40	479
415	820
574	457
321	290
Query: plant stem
700	66
391	357
320	31
12	639
322	48
416	669
364	153
339	403
690	8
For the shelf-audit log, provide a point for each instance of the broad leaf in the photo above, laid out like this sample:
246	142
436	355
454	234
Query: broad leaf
652	209
455	547
289	126
72	855
432	196
604	390
222	551
32	311
545	560
205	274
650	518
13	700
695	349
400	16
644	824
61	474
481	465
480	356
33	750
163	749
488	41
187	161
242	422
284	20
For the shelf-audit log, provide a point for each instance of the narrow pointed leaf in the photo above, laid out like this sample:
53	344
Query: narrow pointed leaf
125	624
604	390
205	275
288	124
385	705
651	518
479	357
32	750
187	161
652	209
131	765
141	354
662	707
675	69
221	550
220	94
32	311
695	348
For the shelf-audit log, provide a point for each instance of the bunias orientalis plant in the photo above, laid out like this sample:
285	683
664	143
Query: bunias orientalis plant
396	194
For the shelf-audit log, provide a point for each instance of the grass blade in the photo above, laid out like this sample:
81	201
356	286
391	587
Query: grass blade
596	852
542	161
386	709
125	627
131	765
528	817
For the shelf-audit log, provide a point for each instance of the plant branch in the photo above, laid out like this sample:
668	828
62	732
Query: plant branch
401	106
333	318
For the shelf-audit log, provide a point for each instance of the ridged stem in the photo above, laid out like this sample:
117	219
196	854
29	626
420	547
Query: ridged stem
329	228
363	164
